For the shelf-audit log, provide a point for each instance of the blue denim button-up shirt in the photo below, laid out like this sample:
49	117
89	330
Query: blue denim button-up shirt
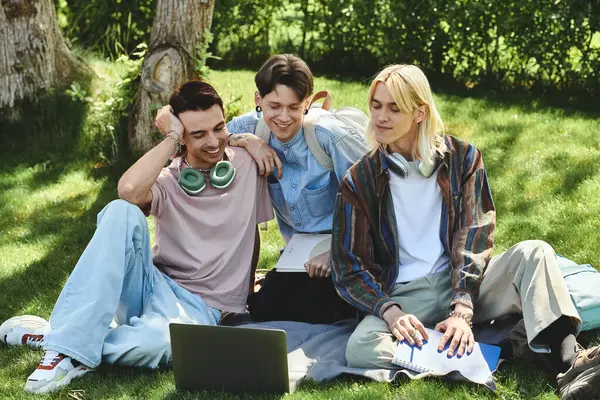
304	197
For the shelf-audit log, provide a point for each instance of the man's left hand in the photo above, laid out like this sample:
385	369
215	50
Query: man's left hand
319	266
459	333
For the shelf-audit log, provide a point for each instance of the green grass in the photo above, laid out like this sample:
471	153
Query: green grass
544	172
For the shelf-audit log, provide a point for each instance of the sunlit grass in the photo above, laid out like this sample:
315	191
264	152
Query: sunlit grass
544	170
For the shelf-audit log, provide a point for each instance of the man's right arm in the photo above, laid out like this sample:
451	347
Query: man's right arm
136	183
135	186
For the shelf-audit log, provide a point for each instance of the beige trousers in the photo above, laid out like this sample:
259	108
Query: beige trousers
525	280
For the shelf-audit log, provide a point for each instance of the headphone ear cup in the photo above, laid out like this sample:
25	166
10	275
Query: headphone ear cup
426	169
397	164
222	174
191	181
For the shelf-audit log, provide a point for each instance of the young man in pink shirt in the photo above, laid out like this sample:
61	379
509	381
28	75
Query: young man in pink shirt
199	266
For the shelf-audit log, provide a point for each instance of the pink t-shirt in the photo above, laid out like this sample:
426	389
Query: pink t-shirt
205	242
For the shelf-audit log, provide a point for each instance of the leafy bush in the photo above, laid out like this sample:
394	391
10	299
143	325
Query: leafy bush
517	44
531	44
111	27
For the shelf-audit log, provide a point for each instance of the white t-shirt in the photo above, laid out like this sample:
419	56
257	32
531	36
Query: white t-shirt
418	209
205	242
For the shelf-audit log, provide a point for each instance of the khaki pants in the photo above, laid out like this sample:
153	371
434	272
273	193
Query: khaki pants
525	280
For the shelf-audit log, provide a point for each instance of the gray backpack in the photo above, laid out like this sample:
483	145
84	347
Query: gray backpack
351	119
583	281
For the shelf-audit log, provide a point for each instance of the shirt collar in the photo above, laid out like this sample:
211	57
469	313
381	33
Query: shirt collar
293	141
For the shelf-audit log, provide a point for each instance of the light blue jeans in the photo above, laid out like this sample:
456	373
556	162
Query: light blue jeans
115	278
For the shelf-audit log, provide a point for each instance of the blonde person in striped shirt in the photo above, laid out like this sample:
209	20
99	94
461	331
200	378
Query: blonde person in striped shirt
413	234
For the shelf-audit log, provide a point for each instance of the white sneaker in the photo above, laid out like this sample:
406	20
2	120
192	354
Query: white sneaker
54	372
24	330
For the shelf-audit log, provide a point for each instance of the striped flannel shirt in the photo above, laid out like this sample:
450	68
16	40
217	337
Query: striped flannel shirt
364	257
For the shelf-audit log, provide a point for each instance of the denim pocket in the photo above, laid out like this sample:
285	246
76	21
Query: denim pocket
278	199
319	202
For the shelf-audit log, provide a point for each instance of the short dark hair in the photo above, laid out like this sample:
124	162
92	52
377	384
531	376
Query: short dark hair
194	96
288	70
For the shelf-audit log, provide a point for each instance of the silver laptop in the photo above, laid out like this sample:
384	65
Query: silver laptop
231	359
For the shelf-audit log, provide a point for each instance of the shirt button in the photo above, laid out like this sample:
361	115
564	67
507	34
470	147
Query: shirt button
292	208
294	186
297	223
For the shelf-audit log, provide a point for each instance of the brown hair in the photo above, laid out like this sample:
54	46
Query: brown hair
194	96
288	70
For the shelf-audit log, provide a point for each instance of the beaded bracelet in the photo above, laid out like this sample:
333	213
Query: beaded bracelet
173	136
467	318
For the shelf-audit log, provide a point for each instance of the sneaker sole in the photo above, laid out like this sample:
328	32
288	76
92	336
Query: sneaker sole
31	322
56	385
586	387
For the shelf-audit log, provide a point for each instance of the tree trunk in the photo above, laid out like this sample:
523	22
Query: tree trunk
33	53
305	27
177	27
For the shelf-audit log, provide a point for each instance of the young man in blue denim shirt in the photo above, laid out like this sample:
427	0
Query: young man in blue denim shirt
302	191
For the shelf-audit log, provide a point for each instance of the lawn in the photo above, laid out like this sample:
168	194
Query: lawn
544	170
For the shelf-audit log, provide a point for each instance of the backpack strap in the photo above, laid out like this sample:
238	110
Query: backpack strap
262	130
321	95
309	125
310	135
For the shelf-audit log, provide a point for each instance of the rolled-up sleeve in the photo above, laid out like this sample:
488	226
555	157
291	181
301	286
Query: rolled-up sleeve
243	124
343	148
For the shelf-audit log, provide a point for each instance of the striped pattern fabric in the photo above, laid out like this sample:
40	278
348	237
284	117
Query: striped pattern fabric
364	254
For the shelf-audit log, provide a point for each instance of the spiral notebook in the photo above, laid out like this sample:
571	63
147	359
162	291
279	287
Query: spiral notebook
476	367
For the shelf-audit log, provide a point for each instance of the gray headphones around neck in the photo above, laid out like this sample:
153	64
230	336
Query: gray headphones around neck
398	164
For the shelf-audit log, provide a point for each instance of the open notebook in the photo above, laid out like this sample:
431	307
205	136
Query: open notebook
300	249
476	367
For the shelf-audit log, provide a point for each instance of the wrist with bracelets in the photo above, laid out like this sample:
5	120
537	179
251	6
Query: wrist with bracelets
175	137
465	317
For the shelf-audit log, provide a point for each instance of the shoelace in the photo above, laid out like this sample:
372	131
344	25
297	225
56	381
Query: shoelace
34	340
50	357
594	353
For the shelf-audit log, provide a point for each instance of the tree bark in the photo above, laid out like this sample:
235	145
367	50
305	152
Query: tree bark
177	27
33	53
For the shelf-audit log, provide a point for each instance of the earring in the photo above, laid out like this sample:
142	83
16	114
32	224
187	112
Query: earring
258	109
305	111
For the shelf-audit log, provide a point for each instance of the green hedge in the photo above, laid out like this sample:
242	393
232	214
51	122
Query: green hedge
505	44
531	44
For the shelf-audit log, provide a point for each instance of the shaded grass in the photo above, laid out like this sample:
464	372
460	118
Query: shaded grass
543	169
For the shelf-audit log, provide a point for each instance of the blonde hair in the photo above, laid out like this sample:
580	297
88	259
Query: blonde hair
410	89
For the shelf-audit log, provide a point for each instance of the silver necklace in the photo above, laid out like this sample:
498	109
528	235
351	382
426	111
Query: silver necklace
190	165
